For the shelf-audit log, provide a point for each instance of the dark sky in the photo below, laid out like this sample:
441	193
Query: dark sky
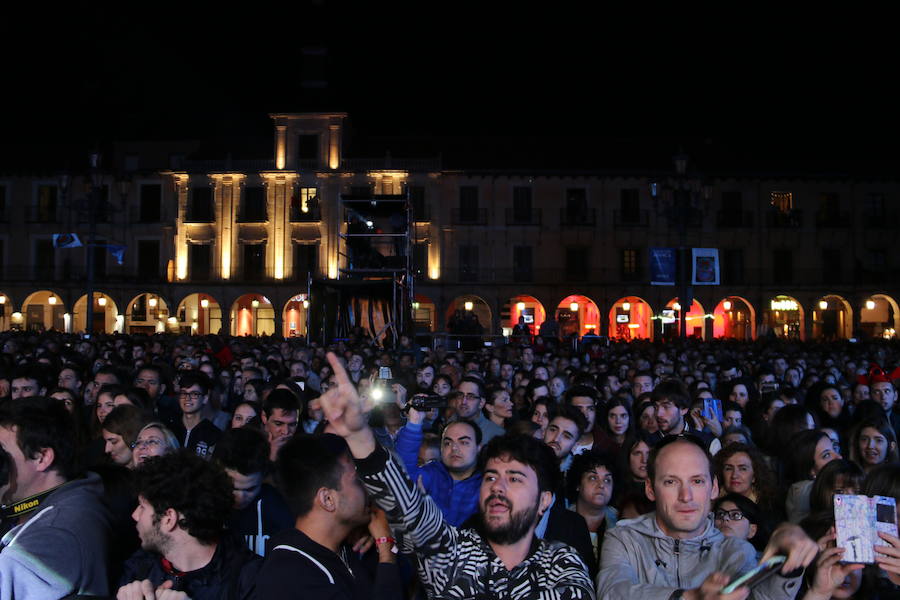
499	88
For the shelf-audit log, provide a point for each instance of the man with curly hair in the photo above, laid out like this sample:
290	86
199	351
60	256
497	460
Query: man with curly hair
183	503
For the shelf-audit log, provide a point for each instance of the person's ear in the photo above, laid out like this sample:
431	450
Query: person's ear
326	499
169	520
752	531
45	458
545	500
715	487
648	490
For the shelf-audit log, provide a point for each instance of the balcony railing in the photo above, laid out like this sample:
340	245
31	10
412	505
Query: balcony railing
469	217
728	219
36	214
578	218
523	217
637	218
833	219
313	215
776	219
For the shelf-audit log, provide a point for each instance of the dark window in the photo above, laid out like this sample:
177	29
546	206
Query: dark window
522	204
44	259
829	210
631	264
308	147
306	260
2	202
200	261
254	262
200	205
254	207
831	265
732	266
468	263
148	259
45	207
630	205
577	263
151	202
576	205
732	202
522	264
2	257
363	191
783	266
420	259
468	204
417	199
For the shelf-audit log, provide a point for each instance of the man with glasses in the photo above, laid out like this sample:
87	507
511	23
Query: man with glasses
194	432
468	404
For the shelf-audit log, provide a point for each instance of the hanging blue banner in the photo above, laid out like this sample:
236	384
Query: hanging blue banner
662	266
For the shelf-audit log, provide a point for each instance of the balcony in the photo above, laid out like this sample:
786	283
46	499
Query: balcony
523	217
636	218
734	219
312	215
776	219
883	220
579	218
469	217
833	219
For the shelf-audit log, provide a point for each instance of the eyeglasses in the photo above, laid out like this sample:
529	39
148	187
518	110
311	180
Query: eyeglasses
470	396
150	443
191	395
729	515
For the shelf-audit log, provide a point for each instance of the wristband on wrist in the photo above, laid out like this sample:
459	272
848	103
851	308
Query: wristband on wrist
387	540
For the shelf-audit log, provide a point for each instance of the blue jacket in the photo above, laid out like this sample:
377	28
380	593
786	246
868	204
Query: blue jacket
458	500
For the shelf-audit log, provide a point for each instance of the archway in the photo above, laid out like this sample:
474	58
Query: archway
578	315
879	316
198	314
41	311
469	315
106	315
528	307
695	317
252	314
734	318
424	314
6	311
832	318
294	316
145	313
784	317
630	319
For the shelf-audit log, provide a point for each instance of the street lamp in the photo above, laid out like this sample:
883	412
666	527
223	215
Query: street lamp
870	304
626	306
823	304
469	305
727	305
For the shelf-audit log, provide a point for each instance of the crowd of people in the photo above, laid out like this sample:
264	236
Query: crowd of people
215	467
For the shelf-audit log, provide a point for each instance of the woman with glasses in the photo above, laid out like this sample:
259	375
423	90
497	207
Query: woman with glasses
154	439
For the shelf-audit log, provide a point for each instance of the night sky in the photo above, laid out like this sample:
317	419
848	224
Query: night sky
486	89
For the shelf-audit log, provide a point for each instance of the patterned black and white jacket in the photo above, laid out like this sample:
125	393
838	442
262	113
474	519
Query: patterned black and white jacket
458	563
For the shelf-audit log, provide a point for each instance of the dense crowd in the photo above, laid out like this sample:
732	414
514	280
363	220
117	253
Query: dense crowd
214	467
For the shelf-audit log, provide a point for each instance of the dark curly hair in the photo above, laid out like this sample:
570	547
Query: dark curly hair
581	464
528	451
199	491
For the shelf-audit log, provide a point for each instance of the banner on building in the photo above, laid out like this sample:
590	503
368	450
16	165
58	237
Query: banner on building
118	252
705	266
66	240
662	266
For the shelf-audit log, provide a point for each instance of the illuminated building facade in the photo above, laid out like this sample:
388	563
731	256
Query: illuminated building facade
231	244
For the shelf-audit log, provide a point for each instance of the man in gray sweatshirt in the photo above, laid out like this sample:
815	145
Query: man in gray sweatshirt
59	539
675	552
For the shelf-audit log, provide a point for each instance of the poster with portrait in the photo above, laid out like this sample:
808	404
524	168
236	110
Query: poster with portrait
705	266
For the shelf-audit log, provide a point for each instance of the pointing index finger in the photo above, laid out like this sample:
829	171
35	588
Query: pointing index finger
340	373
